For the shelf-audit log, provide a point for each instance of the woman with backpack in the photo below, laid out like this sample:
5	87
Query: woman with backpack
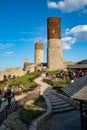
0	98
9	94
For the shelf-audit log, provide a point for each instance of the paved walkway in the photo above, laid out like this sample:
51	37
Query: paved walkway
61	121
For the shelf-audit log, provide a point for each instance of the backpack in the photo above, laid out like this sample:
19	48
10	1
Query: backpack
8	92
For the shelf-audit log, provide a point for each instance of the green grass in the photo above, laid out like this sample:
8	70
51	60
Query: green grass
60	83
57	83
26	80
31	112
54	72
1	86
39	100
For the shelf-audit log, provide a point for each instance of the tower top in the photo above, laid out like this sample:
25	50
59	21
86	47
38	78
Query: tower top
54	18
25	60
53	24
39	45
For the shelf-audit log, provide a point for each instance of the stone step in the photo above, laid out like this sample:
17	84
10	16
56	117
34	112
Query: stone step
53	98
58	103
61	106
63	109
57	100
50	95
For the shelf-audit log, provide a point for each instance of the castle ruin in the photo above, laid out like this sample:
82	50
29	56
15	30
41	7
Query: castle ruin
54	49
54	52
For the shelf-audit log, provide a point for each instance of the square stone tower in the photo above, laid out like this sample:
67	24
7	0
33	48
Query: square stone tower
54	48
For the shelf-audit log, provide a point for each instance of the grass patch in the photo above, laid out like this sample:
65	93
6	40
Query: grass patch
27	80
40	99
32	111
57	83
60	83
1	86
54	72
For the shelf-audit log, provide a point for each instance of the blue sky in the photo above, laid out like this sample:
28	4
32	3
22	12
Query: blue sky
24	22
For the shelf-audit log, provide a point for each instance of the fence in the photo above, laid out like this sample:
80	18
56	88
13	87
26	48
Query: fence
16	105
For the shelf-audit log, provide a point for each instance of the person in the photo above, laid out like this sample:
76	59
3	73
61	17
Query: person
9	94
0	98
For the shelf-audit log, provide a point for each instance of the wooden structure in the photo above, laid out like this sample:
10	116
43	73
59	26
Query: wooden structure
78	91
81	96
80	65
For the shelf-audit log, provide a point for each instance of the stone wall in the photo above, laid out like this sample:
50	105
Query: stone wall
55	60
30	67
12	72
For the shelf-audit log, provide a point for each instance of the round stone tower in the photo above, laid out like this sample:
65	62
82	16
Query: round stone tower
54	49
39	58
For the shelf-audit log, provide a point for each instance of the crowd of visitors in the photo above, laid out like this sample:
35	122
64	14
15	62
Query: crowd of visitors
8	77
77	73
67	74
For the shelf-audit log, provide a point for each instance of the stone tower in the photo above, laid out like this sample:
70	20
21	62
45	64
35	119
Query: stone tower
26	63
54	49
39	58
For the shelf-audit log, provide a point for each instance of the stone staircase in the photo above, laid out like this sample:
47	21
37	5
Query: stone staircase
72	88
59	104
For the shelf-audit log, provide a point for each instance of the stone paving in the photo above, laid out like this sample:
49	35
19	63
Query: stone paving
63	121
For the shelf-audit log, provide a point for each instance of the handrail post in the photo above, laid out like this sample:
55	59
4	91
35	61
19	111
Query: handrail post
81	116
15	105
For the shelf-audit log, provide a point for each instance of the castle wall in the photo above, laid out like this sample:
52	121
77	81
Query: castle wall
30	67
12	72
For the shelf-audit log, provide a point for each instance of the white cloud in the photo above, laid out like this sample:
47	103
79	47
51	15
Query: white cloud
77	29
9	53
79	32
68	5
52	4
73	35
67	42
